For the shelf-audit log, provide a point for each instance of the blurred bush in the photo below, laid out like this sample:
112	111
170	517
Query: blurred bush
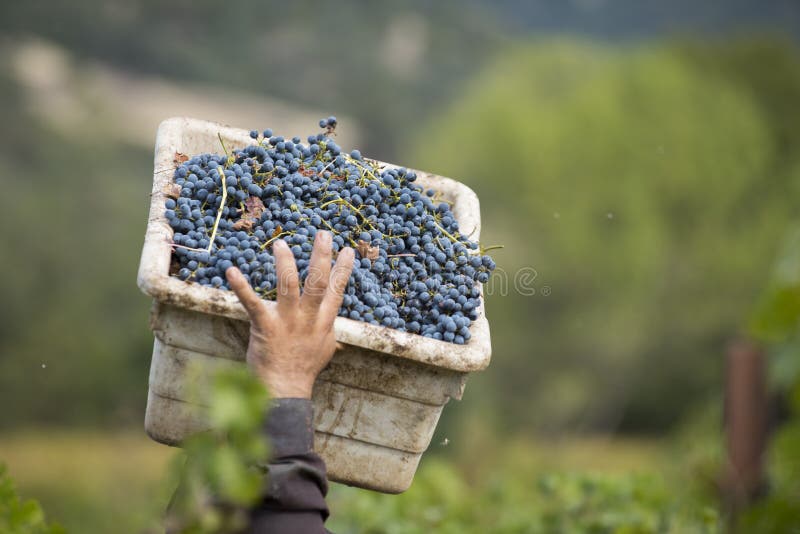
222	473
511	500
647	189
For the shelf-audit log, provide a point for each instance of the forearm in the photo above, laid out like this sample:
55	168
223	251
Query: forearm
294	497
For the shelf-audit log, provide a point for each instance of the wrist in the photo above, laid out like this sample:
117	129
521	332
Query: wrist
288	387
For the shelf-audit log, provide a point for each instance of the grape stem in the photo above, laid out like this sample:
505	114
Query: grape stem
271	240
445	232
175	245
224	198
340	200
224	149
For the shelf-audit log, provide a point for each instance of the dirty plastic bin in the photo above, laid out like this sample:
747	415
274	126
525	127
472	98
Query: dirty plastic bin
377	403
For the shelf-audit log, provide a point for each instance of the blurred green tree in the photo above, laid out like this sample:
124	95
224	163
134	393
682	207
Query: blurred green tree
647	193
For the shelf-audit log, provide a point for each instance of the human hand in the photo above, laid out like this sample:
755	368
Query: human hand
291	343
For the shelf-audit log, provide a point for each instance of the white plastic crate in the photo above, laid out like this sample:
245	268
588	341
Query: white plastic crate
376	404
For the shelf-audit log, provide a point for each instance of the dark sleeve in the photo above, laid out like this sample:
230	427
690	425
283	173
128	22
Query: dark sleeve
294	496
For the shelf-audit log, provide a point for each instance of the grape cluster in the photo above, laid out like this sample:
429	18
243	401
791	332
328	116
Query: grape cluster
414	271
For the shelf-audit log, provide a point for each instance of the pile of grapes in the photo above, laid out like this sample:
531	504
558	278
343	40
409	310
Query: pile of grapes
414	270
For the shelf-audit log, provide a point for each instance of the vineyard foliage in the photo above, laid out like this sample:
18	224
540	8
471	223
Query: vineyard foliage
776	323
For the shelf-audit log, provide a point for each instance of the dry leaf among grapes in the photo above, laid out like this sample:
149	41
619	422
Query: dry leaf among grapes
254	207
180	158
367	251
172	190
243	224
277	231
306	171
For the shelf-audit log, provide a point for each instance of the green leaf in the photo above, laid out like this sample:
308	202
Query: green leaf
777	313
21	517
